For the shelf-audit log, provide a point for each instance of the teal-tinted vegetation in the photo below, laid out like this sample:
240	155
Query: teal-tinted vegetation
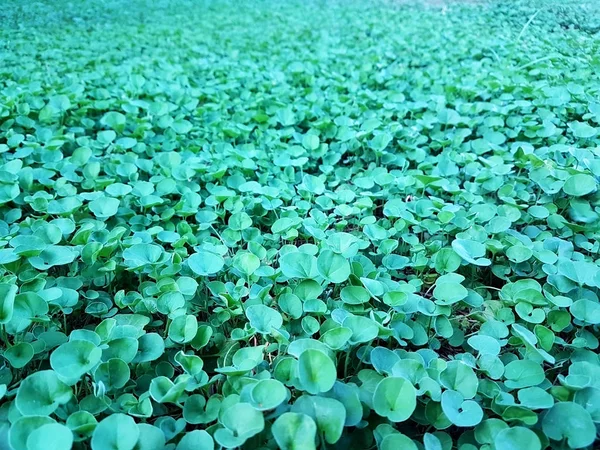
299	225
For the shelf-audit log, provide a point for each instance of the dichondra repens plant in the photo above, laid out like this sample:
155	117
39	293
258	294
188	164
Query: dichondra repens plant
299	225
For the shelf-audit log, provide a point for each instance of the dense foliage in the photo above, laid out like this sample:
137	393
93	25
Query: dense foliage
299	225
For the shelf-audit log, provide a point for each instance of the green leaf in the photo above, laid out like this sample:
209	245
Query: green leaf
197	410
395	398
140	255
104	207
579	185
395	441
449	293
52	436
114	373
196	440
333	267
267	394
589	398
7	301
355	295
471	251
446	260
535	398
523	373
582	130
205	263
310	142
291	305
183	329
53	255
336	338
240	221
247	263
163	390
117	431
363	329
283	224
295	431
517	438
241	422
19	355
461	412
114	120
586	311
459	377
328	413
316	371
570	421
263	318
519	253
41	393
151	438
151	347
24	427
182	126
74	359
298	265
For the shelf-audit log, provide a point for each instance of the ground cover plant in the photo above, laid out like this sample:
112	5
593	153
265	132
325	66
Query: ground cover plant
299	225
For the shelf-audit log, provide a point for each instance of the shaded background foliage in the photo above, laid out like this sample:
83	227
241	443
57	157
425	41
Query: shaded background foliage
299	225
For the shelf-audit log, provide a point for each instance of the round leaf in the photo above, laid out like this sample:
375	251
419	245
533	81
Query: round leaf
395	398
268	394
104	207
298	265
295	431
116	432
517	438
52	436
570	421
580	185
333	267
316	371
263	318
461	412
73	359
19	355
196	440
205	263
41	393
